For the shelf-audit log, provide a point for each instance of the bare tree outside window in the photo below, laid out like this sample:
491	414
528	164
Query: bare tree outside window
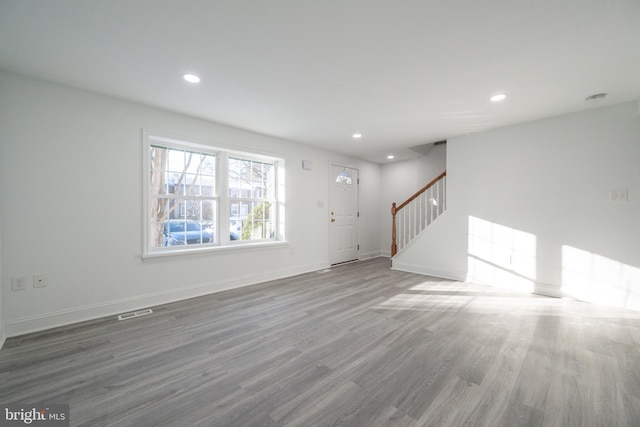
182	187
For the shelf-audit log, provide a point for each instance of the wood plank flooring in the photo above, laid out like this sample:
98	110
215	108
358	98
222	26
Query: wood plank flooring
361	345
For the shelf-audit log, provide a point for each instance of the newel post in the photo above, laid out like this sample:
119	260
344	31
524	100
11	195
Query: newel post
394	246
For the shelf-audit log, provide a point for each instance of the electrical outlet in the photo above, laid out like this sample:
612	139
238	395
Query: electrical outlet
619	195
39	281
18	284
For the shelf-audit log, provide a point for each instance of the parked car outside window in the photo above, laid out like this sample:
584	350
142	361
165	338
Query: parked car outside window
185	232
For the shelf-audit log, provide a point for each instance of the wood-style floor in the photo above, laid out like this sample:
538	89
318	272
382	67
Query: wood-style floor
361	345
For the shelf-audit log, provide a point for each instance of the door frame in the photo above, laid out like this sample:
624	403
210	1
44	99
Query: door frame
357	207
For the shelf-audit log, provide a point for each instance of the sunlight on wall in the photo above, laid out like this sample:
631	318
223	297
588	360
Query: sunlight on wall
595	278
501	256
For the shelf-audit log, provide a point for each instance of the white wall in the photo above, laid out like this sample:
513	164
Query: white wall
537	197
400	180
2	331
369	205
71	197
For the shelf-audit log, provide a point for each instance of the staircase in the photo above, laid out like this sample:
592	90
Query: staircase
417	212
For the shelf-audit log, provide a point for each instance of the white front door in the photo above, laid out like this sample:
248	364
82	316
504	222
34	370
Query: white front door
343	214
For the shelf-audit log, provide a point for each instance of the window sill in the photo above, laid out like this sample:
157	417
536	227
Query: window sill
153	256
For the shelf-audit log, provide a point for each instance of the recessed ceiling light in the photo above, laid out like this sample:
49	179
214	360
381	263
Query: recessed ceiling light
498	97
357	135
191	78
390	156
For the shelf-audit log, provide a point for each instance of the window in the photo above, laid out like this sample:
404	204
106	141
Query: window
194	192
344	178
182	196
254	181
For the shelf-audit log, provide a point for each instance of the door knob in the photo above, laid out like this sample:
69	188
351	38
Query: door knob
333	220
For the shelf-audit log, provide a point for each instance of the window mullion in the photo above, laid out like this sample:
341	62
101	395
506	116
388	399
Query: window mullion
223	197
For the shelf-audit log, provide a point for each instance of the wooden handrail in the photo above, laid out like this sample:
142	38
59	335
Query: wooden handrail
422	190
395	209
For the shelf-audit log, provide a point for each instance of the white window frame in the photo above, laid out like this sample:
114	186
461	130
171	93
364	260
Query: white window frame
222	198
246	195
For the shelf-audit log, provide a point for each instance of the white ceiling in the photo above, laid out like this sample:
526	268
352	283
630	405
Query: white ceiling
403	73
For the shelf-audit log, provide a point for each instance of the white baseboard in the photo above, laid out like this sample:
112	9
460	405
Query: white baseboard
50	320
429	271
370	255
3	337
549	290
